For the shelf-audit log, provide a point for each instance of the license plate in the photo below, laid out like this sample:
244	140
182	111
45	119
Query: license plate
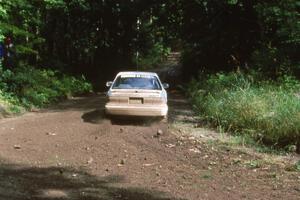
136	100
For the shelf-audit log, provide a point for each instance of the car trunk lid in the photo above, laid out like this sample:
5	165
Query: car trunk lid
141	97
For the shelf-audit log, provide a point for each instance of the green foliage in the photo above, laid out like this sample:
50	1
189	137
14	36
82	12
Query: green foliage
153	57
8	28
9	103
40	87
24	50
216	35
229	34
29	87
267	111
233	2
87	36
25	85
20	21
50	4
280	34
3	15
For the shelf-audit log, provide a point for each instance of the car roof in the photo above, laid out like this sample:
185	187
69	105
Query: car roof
136	72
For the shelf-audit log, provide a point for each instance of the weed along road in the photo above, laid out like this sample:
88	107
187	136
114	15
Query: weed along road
71	151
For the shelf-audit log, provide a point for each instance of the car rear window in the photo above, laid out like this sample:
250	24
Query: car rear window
137	81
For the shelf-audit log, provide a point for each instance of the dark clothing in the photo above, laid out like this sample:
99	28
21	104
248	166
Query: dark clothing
2	51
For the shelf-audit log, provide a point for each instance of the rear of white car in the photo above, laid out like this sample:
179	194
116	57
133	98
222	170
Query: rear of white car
137	94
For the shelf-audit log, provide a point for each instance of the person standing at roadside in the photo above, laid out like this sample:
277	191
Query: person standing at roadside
1	51
8	45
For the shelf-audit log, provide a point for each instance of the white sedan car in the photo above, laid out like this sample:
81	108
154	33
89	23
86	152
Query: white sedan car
137	94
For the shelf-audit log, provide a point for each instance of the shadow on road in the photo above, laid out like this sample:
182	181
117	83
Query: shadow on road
134	121
98	116
95	117
20	182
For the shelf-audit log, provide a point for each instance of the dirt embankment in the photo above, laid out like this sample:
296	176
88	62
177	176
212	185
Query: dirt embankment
72	151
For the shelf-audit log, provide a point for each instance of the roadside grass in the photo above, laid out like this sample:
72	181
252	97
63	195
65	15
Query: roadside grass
248	141
217	136
254	110
293	167
246	151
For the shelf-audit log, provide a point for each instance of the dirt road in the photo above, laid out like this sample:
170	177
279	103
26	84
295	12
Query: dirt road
70	151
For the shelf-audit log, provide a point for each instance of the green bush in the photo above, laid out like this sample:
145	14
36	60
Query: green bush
29	87
239	103
9	104
153	57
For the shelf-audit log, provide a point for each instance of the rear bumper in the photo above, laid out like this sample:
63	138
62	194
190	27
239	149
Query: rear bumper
136	110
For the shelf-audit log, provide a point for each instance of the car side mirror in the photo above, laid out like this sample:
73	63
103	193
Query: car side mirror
109	83
166	85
